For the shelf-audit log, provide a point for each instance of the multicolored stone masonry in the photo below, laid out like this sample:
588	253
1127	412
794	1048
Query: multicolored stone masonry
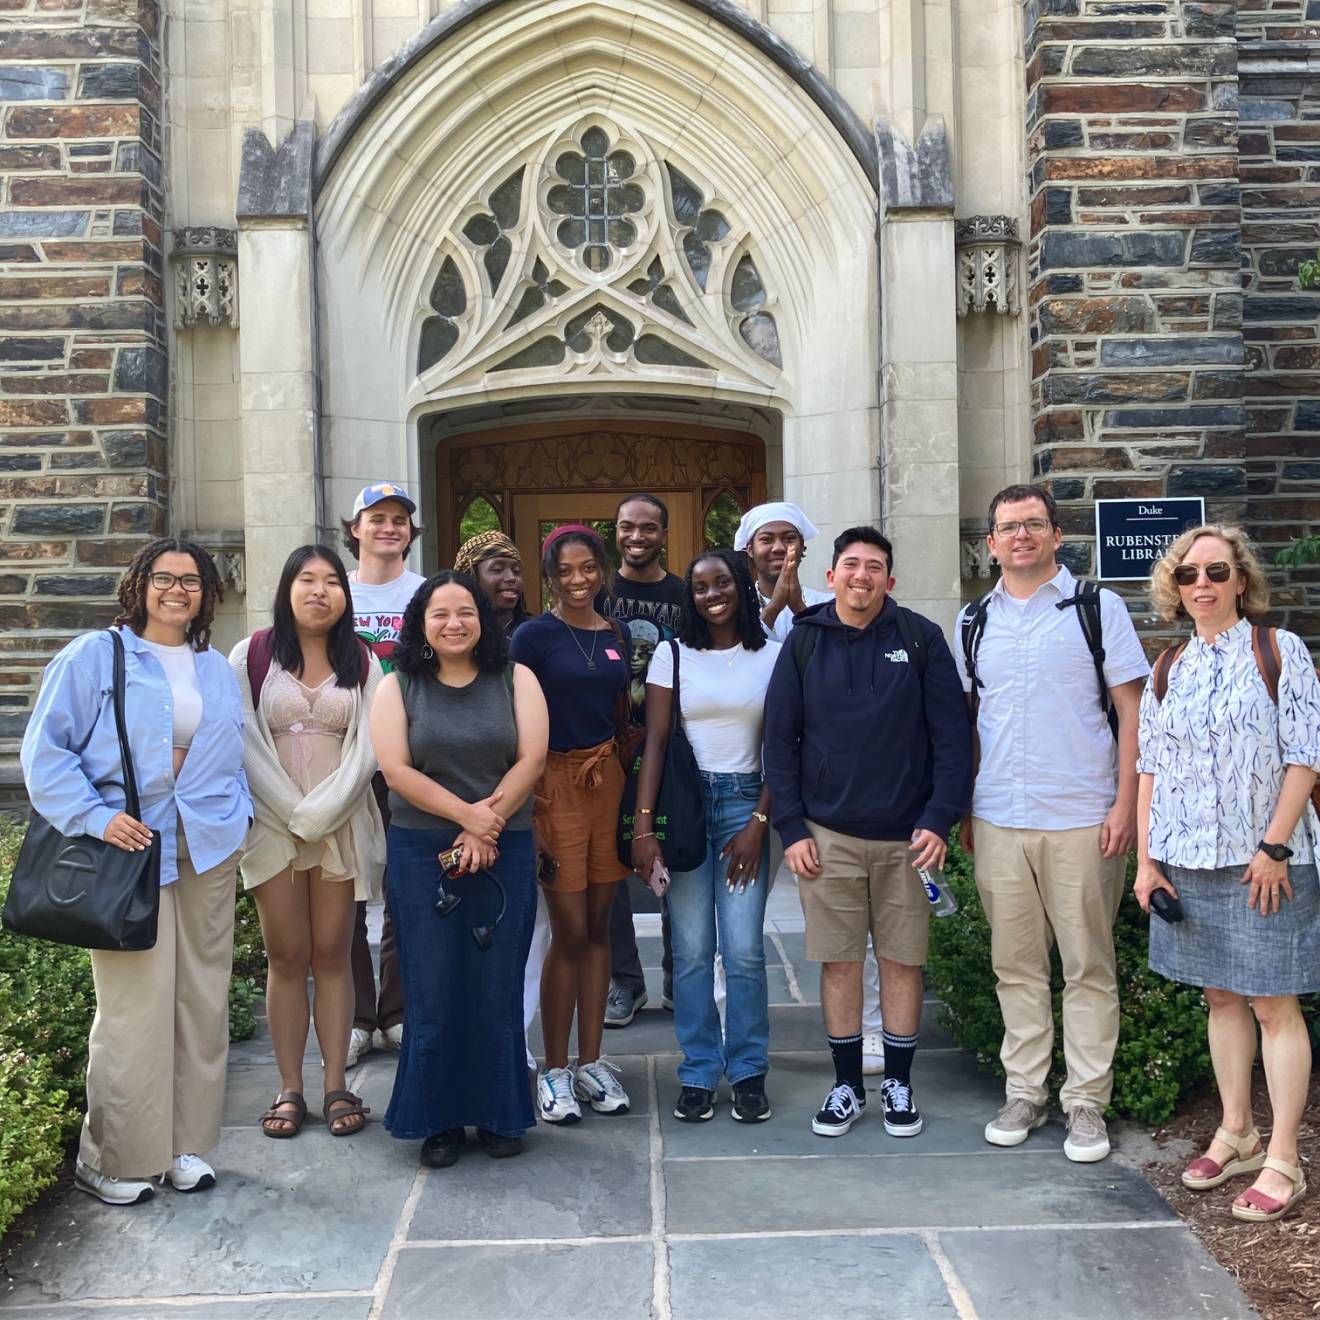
83	376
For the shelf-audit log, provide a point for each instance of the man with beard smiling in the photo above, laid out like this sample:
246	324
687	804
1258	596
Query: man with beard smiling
648	600
868	757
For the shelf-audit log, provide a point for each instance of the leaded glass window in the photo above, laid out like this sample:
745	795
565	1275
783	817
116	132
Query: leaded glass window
595	196
757	327
440	333
704	227
489	230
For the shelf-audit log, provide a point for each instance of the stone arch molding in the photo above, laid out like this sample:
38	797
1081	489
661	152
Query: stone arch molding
460	255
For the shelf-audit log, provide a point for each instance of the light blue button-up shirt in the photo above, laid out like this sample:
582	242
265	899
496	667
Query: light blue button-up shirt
71	761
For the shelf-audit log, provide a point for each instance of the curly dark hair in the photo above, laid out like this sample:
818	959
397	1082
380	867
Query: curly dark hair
342	644
693	629
550	559
492	648
133	588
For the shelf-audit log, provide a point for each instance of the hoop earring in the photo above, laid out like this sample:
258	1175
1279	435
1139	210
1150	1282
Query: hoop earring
427	653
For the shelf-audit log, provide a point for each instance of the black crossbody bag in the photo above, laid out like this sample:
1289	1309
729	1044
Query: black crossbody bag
81	890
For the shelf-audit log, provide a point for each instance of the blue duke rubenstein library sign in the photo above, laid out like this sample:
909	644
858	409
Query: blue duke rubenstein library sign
1130	535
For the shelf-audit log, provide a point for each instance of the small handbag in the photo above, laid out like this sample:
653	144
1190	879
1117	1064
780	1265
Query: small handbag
80	890
680	806
628	734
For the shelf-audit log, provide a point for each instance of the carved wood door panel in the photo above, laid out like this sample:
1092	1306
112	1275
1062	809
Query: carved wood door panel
529	478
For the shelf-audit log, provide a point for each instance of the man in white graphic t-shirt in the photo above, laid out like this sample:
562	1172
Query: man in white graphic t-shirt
378	535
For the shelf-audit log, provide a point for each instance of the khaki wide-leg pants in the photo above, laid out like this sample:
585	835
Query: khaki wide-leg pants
1039	887
156	1055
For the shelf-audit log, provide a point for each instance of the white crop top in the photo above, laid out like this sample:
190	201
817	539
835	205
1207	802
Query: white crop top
177	662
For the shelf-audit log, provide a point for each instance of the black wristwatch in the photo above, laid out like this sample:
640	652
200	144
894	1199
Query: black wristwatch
1277	852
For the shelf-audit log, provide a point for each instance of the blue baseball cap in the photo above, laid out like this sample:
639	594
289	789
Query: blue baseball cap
382	490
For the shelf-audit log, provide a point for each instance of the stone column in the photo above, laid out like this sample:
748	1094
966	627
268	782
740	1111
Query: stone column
919	369
277	359
1134	286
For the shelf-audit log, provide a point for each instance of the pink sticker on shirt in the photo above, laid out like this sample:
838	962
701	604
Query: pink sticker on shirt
612	653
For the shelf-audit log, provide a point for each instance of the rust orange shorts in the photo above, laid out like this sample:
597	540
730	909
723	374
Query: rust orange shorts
576	811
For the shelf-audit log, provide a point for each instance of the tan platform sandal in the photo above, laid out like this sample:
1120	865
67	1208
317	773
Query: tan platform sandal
1262	1208
1204	1173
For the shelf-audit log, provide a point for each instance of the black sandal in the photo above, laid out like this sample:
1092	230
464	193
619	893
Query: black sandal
355	1110
294	1120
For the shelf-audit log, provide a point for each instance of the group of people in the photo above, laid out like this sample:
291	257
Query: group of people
431	737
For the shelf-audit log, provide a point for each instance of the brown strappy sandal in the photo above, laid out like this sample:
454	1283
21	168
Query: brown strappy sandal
356	1110
272	1116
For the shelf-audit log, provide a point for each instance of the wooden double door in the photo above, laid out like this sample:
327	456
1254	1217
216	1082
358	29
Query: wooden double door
529	479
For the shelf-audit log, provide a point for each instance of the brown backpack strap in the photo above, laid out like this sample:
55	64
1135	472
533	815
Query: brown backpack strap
1265	647
1160	674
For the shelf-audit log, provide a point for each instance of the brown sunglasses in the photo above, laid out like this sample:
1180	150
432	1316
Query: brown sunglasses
1187	575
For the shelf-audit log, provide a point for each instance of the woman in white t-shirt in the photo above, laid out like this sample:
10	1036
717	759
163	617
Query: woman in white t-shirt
725	661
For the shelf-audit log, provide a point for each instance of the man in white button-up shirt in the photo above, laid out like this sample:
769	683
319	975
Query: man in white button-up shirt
1053	816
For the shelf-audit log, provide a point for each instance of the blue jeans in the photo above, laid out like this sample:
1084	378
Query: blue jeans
698	901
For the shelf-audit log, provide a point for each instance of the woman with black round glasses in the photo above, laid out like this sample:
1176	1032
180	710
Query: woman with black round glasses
461	737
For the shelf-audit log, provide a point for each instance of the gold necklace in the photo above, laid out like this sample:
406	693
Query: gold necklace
595	634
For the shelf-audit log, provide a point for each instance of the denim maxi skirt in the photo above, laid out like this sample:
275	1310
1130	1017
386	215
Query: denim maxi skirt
463	1061
1223	944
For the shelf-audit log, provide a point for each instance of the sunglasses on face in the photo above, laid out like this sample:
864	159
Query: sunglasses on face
1187	575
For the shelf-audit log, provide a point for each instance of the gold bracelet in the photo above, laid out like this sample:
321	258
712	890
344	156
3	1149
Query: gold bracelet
650	835
761	816
645	811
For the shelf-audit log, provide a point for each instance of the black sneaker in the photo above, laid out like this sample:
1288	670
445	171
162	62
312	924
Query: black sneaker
902	1118
498	1147
443	1149
695	1104
842	1108
749	1102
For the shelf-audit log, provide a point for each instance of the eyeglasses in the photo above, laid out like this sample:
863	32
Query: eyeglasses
1187	575
164	581
1035	526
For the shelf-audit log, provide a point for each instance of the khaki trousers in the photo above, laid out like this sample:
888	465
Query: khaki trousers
156	1055
1053	886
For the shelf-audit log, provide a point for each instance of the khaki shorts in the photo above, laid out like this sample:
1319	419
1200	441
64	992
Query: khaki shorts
865	886
576	812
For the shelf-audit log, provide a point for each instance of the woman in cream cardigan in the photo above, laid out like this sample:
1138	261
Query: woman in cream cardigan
316	844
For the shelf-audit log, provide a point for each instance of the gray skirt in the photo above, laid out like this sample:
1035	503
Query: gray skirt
1226	945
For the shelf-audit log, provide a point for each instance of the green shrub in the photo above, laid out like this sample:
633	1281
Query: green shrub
33	1120
1162	1052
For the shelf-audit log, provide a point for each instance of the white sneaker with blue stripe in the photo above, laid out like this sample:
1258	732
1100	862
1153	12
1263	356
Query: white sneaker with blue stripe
554	1096
596	1084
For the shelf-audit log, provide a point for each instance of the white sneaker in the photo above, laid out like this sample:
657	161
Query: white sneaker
596	1083
389	1039
554	1096
189	1173
359	1043
873	1054
113	1191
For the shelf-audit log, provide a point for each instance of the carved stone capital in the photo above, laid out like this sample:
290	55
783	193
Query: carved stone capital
974	555
205	261
987	254
227	548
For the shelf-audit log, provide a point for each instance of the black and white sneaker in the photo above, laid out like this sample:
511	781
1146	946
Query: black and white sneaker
695	1104
842	1108
902	1118
749	1101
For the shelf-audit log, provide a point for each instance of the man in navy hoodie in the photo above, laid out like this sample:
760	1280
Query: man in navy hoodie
868	755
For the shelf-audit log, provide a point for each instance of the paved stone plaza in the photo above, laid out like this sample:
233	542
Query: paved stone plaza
640	1217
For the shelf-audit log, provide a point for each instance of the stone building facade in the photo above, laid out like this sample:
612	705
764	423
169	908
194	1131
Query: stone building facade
882	256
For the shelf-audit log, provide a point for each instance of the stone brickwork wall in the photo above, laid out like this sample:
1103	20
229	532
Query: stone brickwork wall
1280	147
1133	282
83	374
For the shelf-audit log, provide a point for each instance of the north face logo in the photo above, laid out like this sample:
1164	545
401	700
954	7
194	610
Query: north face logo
898	657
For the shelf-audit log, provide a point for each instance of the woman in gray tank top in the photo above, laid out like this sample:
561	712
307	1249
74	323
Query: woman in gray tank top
461	737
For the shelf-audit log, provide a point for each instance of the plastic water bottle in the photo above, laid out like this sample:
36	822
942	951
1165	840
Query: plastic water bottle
942	901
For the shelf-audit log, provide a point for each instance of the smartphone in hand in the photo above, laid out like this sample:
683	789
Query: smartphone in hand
658	881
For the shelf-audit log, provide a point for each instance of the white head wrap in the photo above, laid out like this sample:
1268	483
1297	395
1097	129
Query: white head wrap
777	511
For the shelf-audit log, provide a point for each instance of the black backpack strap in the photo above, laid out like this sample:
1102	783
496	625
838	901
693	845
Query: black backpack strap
973	628
914	640
1087	604
802	642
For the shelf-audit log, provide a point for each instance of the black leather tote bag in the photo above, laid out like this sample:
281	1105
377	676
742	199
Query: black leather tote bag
680	805
83	891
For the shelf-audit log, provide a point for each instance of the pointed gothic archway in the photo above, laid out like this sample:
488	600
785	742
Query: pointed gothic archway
581	196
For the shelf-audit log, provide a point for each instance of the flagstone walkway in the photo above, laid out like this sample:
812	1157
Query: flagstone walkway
639	1217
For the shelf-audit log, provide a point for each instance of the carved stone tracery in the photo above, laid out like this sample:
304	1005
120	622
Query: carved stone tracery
987	250
205	261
